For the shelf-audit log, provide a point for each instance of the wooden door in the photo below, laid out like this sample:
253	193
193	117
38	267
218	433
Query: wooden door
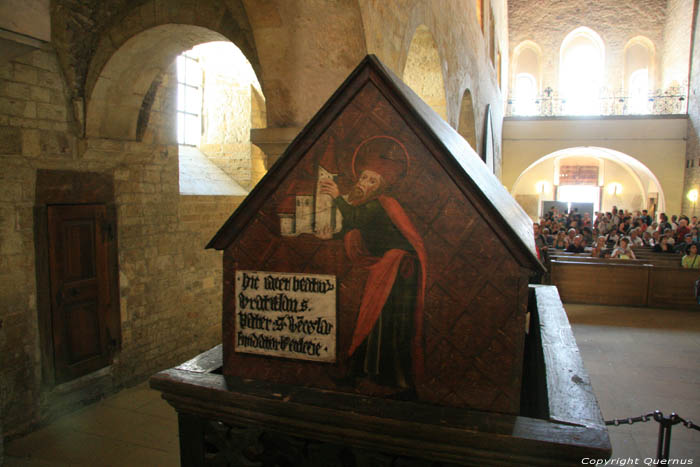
80	289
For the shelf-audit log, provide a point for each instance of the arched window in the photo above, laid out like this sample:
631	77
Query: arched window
189	99
639	54
467	122
581	62
423	71
217	105
639	91
525	94
526	78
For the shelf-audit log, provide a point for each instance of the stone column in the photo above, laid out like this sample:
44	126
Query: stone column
273	141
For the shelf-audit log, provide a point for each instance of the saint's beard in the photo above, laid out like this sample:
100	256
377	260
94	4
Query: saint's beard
359	196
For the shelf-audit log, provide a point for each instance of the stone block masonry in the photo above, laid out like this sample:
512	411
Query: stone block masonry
548	22
170	287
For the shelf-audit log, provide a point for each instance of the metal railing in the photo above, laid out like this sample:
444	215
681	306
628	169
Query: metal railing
672	101
663	449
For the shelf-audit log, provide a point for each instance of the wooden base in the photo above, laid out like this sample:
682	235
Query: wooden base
238	421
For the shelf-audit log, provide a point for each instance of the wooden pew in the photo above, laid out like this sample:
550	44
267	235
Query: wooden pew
673	287
599	283
669	262
632	283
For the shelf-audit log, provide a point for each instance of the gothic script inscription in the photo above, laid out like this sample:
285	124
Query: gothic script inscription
286	315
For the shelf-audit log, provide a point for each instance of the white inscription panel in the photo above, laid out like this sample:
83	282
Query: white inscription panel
291	315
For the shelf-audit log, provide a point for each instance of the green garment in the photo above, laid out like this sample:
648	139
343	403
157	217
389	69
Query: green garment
385	355
691	262
378	231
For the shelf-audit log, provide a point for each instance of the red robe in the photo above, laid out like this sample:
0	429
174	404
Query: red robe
381	278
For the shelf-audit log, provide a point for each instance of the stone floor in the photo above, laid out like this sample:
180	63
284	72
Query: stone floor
639	360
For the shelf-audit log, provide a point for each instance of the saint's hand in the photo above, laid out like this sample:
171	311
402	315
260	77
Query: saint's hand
329	187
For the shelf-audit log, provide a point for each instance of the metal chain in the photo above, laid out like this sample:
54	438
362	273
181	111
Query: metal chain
658	416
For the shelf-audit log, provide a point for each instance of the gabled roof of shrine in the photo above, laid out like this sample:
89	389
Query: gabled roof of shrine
511	224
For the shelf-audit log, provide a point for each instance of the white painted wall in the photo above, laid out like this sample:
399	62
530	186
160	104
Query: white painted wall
658	142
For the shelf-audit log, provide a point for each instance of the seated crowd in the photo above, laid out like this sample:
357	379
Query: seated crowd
617	234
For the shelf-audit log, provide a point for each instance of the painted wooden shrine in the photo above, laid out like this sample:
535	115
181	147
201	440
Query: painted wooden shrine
379	268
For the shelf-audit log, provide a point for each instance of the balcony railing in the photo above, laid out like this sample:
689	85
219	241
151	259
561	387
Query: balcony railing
671	101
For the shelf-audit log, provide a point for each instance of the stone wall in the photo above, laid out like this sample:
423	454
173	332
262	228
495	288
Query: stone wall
306	48
229	86
692	170
616	21
170	287
463	48
676	49
423	71
33	131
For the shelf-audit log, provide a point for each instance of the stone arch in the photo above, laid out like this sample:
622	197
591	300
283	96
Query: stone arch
643	179
581	70
114	106
637	50
527	58
467	122
586	33
423	70
124	53
119	98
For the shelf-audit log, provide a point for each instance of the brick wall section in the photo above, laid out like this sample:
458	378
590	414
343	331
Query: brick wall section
676	50
33	125
616	21
692	174
170	287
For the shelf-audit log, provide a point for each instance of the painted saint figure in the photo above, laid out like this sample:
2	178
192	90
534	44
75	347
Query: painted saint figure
386	345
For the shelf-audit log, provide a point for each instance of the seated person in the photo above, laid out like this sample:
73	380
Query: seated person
560	241
681	247
682	229
598	250
540	241
647	239
663	246
570	234
613	238
547	236
655	238
577	245
587	235
635	239
668	233
691	260
623	251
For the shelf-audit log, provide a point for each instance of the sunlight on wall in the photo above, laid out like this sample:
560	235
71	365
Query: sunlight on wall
229	106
